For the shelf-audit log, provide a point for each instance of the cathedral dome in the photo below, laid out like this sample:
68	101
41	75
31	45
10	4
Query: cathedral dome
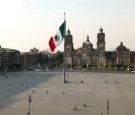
121	47
84	44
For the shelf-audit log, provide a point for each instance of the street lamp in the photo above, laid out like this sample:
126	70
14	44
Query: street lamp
107	107
30	100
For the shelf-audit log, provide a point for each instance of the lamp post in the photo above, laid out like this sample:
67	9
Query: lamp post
29	97
107	107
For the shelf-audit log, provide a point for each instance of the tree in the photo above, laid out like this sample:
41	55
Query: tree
73	65
118	66
125	66
106	66
59	57
112	66
68	65
84	66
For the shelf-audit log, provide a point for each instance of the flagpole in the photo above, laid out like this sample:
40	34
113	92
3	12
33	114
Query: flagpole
64	48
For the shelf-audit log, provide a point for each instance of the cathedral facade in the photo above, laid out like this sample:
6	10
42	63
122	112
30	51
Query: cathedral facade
97	57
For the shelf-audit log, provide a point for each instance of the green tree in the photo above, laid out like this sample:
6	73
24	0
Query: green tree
68	65
59	58
119	65
84	66
125	66
73	65
106	66
112	66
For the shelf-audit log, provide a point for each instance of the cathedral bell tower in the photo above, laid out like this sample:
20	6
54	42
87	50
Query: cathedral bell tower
101	48
69	48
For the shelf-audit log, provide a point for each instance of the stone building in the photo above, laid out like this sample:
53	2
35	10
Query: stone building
98	57
9	58
28	59
123	54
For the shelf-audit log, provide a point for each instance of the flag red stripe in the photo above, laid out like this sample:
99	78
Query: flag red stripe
51	44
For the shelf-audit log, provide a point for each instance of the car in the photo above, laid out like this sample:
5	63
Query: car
70	69
47	70
84	69
37	69
128	69
5	70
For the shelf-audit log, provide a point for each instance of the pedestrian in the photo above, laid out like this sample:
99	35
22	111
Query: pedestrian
47	92
63	93
84	104
10	89
33	91
75	108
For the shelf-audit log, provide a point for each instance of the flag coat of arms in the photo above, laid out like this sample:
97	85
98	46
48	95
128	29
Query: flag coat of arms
57	39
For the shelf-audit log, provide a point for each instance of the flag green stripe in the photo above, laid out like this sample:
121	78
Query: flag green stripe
62	29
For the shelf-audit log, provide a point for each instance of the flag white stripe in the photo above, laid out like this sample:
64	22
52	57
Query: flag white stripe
60	39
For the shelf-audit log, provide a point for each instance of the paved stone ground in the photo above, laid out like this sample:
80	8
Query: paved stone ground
94	92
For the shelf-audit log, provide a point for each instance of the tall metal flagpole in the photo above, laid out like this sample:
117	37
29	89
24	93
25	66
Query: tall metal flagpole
64	48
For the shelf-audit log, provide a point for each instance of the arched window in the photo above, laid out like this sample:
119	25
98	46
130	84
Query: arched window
101	49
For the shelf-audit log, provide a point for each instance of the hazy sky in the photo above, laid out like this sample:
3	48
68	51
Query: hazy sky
25	24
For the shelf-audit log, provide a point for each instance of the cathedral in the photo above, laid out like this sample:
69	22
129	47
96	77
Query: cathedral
99	57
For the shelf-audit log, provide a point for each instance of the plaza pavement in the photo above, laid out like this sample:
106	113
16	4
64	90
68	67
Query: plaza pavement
91	89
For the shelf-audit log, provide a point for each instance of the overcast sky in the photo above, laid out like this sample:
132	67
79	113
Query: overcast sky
25	24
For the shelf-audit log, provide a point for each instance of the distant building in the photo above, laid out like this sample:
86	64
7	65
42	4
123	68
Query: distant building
98	57
9	58
34	50
29	59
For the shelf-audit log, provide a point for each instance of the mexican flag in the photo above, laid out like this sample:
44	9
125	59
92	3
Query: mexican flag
58	38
